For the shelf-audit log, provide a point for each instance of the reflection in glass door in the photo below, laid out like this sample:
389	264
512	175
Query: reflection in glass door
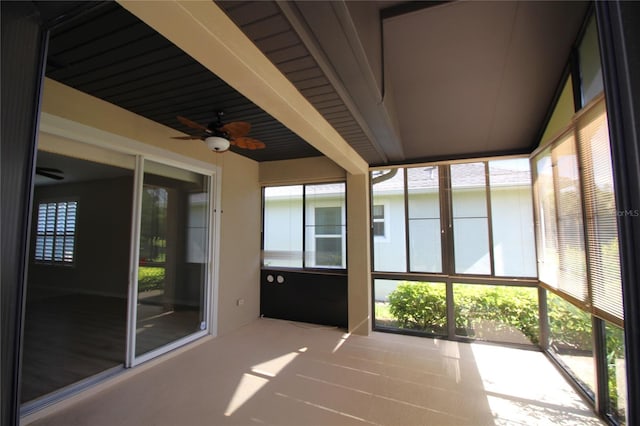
84	317
172	262
78	270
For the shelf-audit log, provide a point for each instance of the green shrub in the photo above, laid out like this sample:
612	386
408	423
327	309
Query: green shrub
615	351
571	331
505	307
150	278
419	306
569	326
422	306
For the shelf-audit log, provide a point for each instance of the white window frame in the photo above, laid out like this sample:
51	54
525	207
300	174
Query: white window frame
317	236
385	221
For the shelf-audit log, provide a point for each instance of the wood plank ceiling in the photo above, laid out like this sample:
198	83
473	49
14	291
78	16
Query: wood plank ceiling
110	54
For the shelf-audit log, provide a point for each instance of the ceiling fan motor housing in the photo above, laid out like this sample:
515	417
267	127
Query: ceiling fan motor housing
217	143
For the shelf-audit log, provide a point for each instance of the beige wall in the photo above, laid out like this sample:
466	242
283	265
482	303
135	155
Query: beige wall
239	243
304	170
67	103
562	114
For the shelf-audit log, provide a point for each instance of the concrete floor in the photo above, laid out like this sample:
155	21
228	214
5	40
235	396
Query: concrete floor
284	373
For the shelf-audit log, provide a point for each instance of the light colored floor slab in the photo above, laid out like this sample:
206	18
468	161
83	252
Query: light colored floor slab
283	373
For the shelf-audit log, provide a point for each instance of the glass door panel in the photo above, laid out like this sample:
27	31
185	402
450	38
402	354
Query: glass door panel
173	256
78	271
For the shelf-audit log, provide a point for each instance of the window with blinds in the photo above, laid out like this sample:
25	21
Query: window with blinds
572	277
576	216
545	218
56	232
600	214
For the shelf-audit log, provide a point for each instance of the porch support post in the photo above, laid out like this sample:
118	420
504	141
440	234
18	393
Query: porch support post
358	253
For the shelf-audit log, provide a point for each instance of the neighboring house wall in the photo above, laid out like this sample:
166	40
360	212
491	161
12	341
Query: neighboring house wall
512	218
513	232
285	242
389	251
283	228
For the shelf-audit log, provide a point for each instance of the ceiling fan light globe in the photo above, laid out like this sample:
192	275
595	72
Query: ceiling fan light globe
217	143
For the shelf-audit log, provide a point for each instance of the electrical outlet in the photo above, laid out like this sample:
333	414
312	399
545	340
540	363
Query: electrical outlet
240	302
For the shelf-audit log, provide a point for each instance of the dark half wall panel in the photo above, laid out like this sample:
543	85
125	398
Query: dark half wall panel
317	298
23	50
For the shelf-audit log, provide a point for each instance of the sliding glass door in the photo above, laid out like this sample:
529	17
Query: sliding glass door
172	257
119	268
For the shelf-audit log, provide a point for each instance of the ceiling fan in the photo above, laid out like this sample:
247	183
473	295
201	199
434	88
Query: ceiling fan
51	173
219	136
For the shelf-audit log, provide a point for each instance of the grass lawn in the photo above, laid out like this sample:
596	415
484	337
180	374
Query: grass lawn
383	316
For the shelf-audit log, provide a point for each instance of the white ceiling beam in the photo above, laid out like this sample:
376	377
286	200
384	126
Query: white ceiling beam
203	31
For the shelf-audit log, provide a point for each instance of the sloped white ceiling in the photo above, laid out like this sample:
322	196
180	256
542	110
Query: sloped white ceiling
477	77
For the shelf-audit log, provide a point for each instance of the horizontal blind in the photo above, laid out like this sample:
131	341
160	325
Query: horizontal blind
572	277
601	213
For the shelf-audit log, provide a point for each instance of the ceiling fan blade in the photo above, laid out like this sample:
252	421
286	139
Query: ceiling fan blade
192	124
239	142
236	129
259	144
48	169
50	173
186	138
249	143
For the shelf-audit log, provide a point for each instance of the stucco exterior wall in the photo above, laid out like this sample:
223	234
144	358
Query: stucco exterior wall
239	291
